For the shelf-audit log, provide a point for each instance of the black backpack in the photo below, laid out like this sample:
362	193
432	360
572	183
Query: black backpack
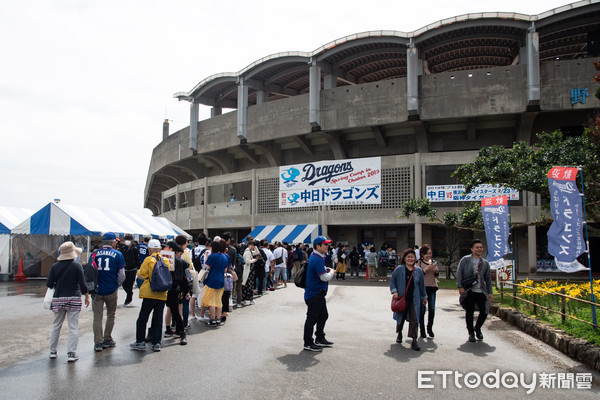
300	279
91	275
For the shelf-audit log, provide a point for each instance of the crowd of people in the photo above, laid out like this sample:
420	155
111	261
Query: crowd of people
206	280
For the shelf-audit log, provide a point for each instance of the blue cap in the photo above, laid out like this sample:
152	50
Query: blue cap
321	240
109	236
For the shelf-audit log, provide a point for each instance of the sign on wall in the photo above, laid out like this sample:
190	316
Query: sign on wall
333	182
457	193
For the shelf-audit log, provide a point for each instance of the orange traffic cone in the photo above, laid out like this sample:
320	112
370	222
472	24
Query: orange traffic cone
20	276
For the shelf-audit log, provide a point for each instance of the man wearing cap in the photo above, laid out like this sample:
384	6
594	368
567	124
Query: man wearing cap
317	278
153	302
110	264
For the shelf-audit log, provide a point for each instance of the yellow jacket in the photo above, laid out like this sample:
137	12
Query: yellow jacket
145	273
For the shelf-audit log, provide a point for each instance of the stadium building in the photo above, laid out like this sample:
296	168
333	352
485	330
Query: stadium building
424	102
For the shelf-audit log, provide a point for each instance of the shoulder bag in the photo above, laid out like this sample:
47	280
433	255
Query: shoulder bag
399	303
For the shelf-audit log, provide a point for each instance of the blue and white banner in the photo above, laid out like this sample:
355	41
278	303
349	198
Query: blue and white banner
494	211
333	182
565	236
439	193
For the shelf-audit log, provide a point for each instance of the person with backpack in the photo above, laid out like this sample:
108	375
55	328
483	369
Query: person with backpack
110	264
298	259
153	301
383	262
132	263
317	283
67	280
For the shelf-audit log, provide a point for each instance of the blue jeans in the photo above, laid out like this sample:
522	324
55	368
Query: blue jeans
431	296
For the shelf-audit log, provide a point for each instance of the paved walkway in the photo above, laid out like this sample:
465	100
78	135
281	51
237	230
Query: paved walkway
258	354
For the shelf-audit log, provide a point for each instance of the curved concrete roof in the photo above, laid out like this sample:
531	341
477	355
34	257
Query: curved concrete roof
470	41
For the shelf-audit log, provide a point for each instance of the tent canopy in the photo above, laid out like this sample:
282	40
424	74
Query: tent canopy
11	217
286	233
62	219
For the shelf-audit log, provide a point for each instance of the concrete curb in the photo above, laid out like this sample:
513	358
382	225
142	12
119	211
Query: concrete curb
577	348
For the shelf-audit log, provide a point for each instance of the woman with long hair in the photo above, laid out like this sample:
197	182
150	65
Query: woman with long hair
431	272
408	281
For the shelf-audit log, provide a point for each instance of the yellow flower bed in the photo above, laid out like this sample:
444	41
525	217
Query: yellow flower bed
577	290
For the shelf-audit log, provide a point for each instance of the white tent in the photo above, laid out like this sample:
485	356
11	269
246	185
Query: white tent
62	219
9	218
36	239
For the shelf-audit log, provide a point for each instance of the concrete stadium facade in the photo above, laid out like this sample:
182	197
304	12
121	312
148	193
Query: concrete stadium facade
424	101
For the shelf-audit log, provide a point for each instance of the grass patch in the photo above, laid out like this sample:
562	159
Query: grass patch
447	284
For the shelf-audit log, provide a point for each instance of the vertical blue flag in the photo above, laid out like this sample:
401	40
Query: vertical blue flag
494	211
565	236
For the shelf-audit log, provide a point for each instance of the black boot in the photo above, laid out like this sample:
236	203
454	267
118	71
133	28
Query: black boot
423	334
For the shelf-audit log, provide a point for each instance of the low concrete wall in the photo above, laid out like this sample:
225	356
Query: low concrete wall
577	348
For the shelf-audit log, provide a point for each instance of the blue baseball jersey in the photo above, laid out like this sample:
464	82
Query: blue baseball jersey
143	248
315	268
108	262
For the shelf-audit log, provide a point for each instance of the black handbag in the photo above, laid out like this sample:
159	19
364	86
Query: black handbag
469	282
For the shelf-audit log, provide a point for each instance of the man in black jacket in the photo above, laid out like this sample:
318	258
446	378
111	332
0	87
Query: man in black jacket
132	263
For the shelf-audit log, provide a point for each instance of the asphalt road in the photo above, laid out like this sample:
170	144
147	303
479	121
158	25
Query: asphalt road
258	354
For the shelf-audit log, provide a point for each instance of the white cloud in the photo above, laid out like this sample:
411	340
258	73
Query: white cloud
85	85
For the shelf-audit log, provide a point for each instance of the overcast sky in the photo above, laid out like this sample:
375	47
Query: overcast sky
86	84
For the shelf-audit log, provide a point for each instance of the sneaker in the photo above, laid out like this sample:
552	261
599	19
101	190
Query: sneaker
188	326
183	341
399	338
53	355
252	302
108	343
479	334
193	318
472	338
324	343
72	357
156	347
168	332
430	332
98	347
415	346
223	319
203	319
141	346
178	334
239	305
312	347
214	322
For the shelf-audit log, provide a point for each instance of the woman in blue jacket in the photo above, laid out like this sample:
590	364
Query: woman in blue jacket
401	284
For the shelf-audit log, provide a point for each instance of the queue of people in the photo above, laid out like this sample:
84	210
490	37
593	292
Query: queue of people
198	283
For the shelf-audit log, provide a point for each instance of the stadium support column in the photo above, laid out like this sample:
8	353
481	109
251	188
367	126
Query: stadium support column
261	96
194	126
314	96
417	194
412	81
165	129
242	110
533	69
214	111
